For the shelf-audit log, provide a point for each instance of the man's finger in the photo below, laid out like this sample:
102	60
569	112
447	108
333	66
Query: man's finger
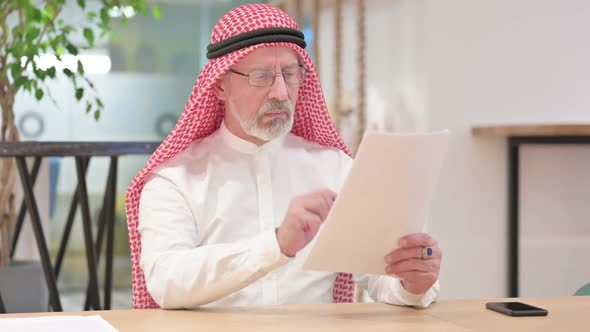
319	203
414	264
417	240
401	254
328	193
309	221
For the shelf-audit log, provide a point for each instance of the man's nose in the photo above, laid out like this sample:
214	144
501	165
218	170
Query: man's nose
278	90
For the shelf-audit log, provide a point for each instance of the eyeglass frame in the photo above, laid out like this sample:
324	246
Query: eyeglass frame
303	70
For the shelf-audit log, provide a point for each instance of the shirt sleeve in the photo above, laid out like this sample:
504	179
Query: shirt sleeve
180	273
389	289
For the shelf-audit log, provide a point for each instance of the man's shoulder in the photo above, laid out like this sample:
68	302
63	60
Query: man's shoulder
196	152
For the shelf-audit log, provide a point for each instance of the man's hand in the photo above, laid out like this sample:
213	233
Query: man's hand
304	217
411	263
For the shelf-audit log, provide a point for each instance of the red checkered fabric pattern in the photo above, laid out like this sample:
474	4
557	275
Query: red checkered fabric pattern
203	114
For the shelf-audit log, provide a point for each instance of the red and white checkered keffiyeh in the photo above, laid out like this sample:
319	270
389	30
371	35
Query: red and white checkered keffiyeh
203	115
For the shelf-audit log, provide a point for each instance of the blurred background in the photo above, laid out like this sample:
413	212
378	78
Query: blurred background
424	65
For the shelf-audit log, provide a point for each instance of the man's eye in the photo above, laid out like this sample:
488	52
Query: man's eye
261	76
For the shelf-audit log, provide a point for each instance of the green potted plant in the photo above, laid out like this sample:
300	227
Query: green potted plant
29	30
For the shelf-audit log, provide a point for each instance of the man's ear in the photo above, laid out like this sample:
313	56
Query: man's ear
219	89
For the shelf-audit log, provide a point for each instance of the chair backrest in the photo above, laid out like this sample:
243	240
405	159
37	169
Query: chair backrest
584	291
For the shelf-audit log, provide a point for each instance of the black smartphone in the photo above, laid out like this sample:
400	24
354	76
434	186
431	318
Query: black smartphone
517	309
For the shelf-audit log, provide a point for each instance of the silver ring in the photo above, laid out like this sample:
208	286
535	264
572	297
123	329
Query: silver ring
427	252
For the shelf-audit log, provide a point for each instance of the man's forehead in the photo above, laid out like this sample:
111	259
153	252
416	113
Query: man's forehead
270	56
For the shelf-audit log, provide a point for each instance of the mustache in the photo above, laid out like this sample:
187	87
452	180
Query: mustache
276	105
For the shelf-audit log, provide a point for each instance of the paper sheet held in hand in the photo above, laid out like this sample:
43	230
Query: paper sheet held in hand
386	195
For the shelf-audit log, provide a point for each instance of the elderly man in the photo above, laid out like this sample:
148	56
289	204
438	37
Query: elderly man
223	211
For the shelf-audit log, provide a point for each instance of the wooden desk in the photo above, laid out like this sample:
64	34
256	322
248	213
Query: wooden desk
565	314
517	135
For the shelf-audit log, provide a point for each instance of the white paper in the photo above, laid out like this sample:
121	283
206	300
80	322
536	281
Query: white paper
93	323
386	196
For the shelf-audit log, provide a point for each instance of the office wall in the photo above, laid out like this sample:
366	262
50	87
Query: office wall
459	63
522	61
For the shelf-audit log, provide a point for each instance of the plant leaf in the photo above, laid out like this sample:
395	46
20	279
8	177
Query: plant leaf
38	94
89	35
80	68
20	82
79	93
68	72
89	82
72	49
37	15
33	33
40	74
96	115
82	4
51	11
44	45
105	18
15	70
27	85
51	72
156	12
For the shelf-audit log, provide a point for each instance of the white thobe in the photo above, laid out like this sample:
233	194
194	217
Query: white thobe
207	220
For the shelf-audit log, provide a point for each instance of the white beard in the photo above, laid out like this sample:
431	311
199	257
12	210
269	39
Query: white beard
276	128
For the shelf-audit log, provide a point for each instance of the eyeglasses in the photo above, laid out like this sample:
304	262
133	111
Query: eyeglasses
264	77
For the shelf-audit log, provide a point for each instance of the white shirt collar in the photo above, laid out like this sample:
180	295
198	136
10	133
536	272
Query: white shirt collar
244	146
